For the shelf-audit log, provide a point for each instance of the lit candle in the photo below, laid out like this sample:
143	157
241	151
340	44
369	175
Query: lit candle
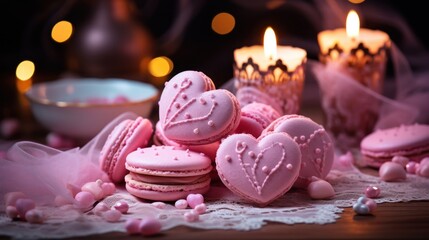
272	69
358	48
351	55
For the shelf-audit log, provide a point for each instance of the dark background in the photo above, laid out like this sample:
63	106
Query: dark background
25	32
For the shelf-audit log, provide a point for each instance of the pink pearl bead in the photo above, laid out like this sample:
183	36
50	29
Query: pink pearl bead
159	205
424	160
100	208
12	212
372	205
181	204
94	188
372	192
149	226
34	216
191	216
11	197
401	160
411	167
23	205
200	208
121	206
108	188
423	170
132	225
194	199
84	200
112	215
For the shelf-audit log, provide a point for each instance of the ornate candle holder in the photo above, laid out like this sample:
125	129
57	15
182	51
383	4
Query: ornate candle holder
276	86
351	112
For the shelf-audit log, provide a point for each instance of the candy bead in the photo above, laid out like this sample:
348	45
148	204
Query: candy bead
11	197
12	212
411	167
364	206
392	172
108	188
423	170
194	199
111	215
191	216
132	226
121	206
181	204
159	205
149	226
200	208
320	189
401	160
372	192
23	205
94	188
424	160
84	199
34	216
100	208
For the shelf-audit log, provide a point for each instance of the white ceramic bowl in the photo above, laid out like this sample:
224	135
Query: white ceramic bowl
80	108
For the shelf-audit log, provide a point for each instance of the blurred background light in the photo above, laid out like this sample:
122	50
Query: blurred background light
62	31
160	66
223	23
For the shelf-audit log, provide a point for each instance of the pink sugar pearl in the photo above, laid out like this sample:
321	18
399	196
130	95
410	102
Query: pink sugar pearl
159	205
372	191
23	205
200	208
12	212
100	208
94	188
424	160
191	216
401	160
411	167
111	215
108	188
181	204
423	170
132	226
84	199
11	197
150	226
34	216
392	172
194	199
121	206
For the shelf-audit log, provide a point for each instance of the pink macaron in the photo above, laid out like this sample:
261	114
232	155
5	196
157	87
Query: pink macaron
167	173
258	170
255	117
126	137
316	146
410	141
193	112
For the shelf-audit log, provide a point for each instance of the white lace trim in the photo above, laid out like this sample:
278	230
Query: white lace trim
224	209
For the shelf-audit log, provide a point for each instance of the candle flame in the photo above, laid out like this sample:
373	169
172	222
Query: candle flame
270	44
352	24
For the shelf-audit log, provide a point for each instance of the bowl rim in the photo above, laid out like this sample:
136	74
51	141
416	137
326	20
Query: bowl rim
44	101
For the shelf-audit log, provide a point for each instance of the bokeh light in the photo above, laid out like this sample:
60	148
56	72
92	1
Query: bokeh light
62	31
160	66
356	1
223	23
25	70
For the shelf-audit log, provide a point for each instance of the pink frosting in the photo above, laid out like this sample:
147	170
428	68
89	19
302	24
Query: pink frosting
258	170
193	112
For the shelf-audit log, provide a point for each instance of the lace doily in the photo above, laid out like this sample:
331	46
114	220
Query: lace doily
224	209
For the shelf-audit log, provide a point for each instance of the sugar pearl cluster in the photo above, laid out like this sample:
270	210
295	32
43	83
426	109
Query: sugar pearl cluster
93	191
397	169
366	205
19	206
196	202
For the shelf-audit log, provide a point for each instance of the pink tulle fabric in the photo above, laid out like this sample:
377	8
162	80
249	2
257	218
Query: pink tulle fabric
44	173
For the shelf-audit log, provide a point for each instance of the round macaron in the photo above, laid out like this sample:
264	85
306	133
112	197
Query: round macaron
193	112
255	117
167	173
317	148
126	137
411	141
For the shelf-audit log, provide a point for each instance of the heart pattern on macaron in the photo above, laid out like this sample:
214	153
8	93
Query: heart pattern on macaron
259	170
192	111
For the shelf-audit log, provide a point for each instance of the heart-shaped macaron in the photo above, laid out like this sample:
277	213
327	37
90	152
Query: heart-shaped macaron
259	170
192	111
